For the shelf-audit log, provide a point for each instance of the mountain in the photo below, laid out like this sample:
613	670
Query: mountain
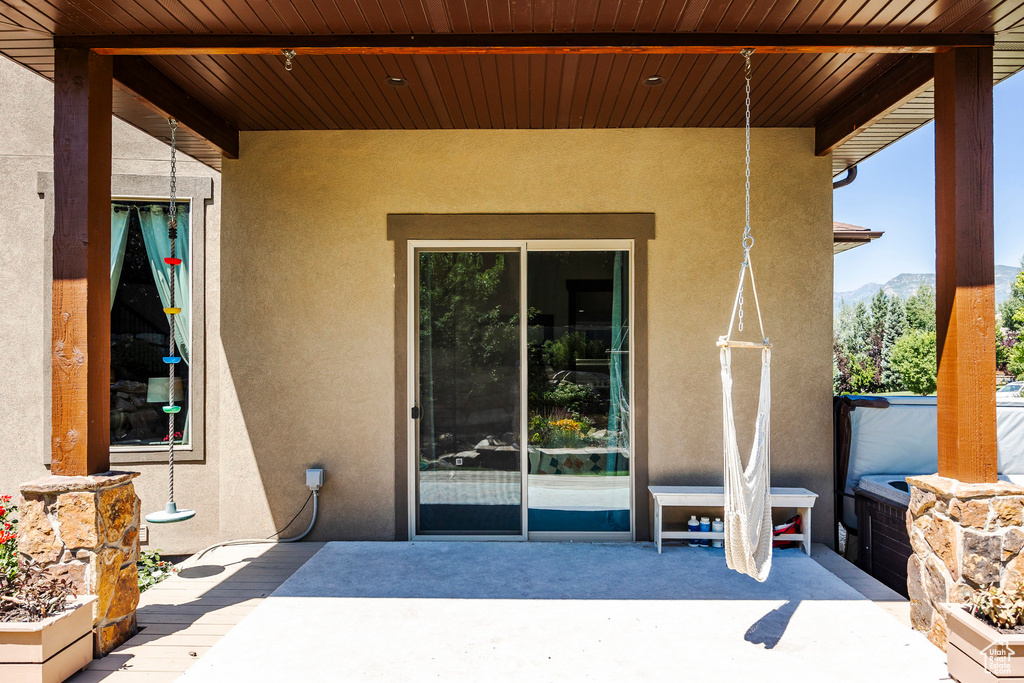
905	284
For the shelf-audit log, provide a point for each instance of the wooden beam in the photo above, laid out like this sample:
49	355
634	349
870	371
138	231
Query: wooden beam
965	265
80	374
522	43
152	88
905	80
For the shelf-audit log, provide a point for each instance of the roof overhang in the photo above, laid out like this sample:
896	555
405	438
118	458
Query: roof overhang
860	73
846	236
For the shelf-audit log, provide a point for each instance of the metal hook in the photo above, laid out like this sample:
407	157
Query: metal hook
288	56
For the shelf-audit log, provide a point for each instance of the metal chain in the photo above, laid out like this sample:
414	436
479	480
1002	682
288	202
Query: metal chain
172	234
748	239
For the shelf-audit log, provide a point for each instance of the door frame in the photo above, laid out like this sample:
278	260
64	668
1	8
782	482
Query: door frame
413	247
402	227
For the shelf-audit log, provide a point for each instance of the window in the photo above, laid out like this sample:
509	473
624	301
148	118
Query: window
140	330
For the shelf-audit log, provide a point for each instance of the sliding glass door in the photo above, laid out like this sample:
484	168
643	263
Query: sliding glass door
468	417
520	389
578	360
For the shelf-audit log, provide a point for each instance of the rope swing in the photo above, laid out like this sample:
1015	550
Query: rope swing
171	513
748	509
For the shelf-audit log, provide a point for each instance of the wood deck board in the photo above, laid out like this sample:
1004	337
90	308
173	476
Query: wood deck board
181	618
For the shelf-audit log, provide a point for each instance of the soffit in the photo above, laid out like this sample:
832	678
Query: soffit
254	92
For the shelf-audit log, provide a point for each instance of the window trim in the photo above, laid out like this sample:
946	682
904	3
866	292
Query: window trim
159	448
198	191
590	228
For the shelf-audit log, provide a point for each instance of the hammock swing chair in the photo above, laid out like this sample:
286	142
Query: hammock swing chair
748	509
171	513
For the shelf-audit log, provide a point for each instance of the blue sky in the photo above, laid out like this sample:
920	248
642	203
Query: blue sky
895	192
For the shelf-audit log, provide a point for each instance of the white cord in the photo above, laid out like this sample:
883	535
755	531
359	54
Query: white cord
246	541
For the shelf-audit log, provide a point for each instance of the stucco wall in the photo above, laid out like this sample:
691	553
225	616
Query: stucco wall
299	289
26	149
307	296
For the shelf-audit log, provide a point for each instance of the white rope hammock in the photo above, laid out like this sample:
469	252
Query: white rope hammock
748	508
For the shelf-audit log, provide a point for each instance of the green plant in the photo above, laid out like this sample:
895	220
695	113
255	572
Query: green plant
566	433
538	429
8	538
152	569
32	594
1015	364
575	398
1000	606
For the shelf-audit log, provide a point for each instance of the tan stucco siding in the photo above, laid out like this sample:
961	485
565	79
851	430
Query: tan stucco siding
307	297
26	150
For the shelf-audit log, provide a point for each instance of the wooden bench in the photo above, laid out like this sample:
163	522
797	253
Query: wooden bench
714	496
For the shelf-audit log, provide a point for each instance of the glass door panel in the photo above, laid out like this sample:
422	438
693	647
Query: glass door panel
469	474
578	396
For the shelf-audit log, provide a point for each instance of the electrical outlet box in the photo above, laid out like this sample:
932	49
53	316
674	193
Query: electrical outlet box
314	479
143	534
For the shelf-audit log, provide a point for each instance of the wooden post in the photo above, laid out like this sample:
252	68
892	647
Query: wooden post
81	262
965	265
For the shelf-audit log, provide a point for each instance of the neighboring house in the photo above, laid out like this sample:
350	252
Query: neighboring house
481	291
846	236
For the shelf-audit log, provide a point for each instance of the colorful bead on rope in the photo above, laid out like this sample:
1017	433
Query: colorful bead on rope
172	261
172	409
172	311
171	360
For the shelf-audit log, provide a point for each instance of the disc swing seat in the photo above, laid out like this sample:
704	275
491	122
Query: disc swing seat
171	513
748	507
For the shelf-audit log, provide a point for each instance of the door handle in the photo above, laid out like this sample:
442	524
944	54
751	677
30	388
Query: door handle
415	412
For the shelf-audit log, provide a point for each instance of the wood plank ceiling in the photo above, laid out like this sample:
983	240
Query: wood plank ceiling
254	92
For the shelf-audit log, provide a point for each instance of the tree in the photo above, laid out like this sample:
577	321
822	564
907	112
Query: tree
914	359
876	338
920	309
860	329
1012	310
1004	346
1016	363
895	324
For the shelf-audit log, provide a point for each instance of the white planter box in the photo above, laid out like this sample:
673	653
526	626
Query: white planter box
977	653
50	650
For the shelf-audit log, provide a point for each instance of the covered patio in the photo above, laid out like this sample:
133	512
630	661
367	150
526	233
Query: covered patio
553	612
358	141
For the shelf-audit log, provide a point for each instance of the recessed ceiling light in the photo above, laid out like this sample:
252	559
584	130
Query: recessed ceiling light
395	81
652	81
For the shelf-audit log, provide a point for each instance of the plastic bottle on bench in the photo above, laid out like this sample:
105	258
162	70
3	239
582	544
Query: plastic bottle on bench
718	526
693	526
705	527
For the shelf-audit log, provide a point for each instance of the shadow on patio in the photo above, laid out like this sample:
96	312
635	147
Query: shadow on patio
563	612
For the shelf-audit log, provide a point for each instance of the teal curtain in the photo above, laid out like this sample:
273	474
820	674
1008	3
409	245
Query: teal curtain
158	245
118	241
618	404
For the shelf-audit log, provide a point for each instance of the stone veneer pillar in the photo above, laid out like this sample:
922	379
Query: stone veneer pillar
87	530
964	536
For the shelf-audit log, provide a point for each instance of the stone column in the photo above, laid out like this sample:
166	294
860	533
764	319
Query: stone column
87	530
964	536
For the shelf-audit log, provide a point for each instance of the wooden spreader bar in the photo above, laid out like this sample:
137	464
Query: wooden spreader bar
742	344
522	43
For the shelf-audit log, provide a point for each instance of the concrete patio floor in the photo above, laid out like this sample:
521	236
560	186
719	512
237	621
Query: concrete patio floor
563	612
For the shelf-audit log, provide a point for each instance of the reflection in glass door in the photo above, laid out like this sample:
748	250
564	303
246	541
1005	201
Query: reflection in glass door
520	389
468	410
578	407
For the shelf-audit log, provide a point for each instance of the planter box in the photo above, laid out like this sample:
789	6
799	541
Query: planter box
50	650
976	652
